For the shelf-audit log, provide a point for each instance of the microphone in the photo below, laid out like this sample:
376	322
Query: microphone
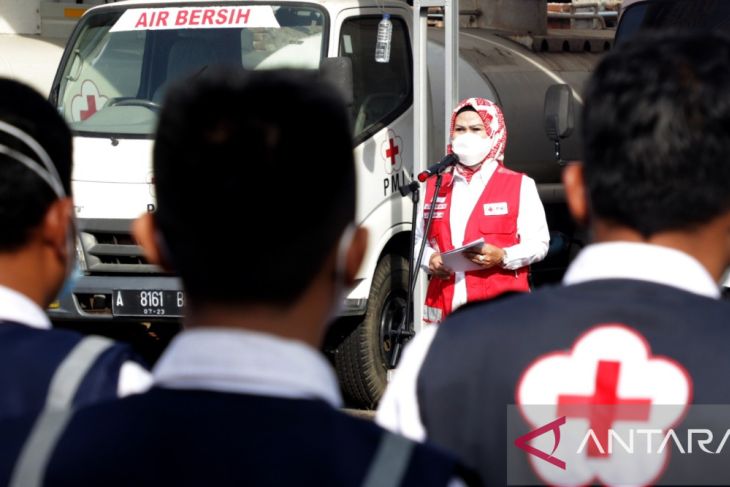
439	167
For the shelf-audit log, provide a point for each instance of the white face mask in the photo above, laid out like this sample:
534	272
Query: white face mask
471	148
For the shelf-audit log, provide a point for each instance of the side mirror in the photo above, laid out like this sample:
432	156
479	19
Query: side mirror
558	115
338	71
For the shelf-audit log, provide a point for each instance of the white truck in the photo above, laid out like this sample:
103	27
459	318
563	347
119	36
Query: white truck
121	57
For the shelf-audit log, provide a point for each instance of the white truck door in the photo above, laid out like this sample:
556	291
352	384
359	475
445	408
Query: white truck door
381	122
382	118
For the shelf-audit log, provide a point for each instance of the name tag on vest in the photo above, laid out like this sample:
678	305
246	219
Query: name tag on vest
492	209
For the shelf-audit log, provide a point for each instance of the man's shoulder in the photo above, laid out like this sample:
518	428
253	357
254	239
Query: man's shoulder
19	342
189	432
204	412
12	330
508	307
566	311
588	296
54	344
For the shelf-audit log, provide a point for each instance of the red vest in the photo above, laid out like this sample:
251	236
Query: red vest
495	219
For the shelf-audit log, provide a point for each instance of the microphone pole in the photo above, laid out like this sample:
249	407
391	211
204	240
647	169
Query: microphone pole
405	328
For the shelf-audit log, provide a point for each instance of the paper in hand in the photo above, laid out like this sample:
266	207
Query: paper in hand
457	262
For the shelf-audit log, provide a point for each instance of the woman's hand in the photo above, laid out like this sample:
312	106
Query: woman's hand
437	267
488	256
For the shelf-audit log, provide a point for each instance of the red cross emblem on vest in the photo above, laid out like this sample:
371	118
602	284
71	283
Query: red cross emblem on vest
607	386
606	394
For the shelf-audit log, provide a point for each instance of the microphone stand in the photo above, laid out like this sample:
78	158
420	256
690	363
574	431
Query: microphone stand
405	328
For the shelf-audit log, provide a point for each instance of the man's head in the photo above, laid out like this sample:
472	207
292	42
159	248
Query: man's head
255	185
35	185
656	134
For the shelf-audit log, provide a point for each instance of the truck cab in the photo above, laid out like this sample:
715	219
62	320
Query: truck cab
111	82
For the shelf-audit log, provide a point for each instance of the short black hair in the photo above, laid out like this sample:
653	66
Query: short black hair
656	132
24	196
255	182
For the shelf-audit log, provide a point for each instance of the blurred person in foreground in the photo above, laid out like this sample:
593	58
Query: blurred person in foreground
637	322
242	396
41	367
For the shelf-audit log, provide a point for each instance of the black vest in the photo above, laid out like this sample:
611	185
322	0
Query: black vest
195	438
473	367
29	357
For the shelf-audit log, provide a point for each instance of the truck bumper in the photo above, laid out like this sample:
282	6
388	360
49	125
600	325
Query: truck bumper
91	299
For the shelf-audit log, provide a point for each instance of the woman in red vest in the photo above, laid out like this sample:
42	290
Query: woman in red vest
480	198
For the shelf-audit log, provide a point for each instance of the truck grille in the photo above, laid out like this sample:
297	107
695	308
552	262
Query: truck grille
109	248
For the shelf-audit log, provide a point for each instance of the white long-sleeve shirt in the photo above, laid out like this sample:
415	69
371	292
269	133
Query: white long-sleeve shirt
532	226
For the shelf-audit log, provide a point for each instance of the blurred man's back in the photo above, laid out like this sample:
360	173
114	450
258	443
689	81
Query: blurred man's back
41	367
638	323
242	396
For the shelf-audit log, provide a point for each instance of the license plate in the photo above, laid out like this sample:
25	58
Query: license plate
149	303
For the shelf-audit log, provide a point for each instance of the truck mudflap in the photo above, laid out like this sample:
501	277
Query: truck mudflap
124	298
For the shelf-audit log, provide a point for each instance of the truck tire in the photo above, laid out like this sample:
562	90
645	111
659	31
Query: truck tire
362	359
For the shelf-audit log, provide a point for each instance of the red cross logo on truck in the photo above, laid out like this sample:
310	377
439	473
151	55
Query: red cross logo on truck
87	102
391	150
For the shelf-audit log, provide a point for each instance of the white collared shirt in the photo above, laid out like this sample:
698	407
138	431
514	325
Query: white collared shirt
399	411
531	224
18	308
246	362
644	262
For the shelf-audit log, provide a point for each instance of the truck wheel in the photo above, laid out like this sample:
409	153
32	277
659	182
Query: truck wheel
363	356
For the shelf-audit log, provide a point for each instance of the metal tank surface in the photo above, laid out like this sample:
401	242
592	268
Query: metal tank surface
31	59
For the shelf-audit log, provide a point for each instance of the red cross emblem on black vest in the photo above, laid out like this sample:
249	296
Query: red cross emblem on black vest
604	407
607	384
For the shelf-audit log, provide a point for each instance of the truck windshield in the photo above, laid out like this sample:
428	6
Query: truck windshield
693	14
120	63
